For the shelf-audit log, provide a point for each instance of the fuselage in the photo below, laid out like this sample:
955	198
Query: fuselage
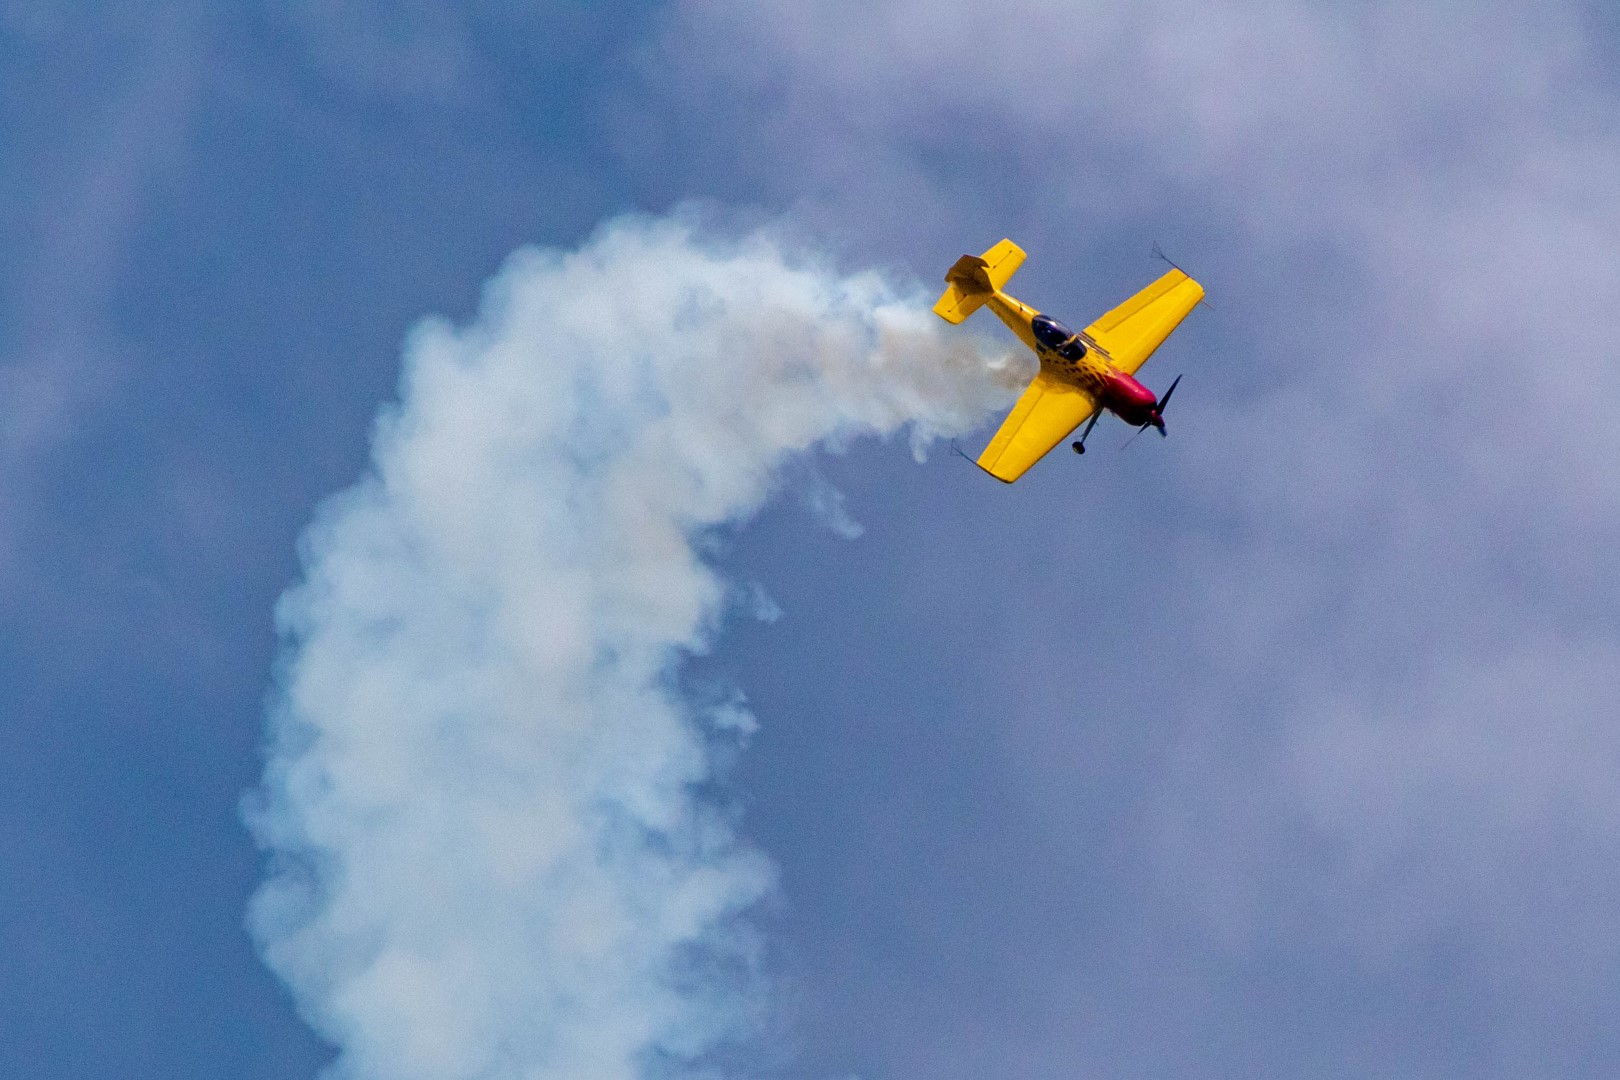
1063	354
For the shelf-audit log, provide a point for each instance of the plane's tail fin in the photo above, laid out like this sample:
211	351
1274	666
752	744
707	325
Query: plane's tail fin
975	278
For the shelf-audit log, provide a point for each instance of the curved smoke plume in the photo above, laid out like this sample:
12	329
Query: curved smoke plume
490	852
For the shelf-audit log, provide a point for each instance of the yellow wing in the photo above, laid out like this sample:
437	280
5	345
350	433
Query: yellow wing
1045	415
1131	332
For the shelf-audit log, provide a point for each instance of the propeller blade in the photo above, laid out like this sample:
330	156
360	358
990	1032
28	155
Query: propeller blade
1166	399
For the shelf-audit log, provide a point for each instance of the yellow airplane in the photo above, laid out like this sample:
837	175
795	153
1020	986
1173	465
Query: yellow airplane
1082	375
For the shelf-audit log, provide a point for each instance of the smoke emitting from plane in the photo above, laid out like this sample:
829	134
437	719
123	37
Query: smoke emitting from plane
491	854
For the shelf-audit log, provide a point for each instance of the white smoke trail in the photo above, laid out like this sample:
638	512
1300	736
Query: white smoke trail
490	854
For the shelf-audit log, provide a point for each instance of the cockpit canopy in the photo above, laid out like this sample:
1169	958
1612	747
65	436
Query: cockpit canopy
1057	338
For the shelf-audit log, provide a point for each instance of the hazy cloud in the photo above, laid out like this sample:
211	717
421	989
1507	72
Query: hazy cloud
1403	587
62	354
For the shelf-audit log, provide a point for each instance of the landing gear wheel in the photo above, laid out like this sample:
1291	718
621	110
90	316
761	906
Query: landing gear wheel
1079	447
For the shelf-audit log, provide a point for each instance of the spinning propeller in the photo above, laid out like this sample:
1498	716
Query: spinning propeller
1157	420
1158	409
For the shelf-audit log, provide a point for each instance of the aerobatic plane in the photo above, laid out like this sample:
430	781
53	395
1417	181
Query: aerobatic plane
1082	375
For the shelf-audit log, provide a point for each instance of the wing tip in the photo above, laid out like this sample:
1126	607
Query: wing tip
988	471
980	465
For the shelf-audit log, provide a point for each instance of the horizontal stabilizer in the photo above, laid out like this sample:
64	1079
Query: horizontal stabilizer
973	279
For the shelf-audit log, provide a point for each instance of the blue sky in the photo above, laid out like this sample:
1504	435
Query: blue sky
1285	746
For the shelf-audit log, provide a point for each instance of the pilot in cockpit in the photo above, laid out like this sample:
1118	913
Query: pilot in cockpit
1057	338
